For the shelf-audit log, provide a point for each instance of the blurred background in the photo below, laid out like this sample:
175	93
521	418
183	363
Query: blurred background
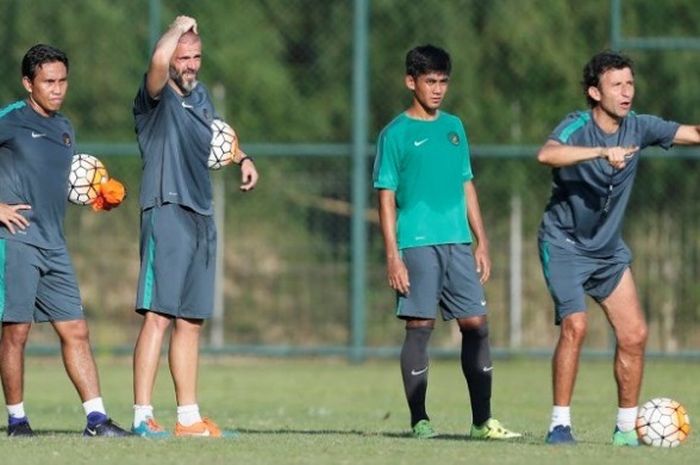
308	85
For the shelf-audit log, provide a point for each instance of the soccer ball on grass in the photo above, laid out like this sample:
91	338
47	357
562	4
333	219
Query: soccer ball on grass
662	422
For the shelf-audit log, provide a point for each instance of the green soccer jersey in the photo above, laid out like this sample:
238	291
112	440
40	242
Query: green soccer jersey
426	164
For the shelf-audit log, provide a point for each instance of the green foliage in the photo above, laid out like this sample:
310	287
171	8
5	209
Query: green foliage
286	67
286	71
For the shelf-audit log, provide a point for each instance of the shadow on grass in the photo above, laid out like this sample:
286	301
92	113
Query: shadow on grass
352	432
528	438
45	432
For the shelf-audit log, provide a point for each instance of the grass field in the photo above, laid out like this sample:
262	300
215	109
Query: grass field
331	412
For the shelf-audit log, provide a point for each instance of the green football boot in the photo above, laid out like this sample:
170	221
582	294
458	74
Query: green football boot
424	430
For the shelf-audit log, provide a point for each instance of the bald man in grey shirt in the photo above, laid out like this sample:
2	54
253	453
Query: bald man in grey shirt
173	115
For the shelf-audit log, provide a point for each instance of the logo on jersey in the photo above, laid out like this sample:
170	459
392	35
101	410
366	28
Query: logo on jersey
66	139
187	105
418	143
206	114
453	137
36	135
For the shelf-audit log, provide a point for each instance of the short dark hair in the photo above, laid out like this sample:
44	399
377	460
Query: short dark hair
426	59
599	64
39	55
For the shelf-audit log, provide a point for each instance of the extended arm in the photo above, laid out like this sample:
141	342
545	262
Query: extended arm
396	269
476	223
159	68
557	155
687	135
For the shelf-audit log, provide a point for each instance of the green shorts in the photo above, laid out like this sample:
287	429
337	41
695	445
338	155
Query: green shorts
37	284
570	276
178	262
441	276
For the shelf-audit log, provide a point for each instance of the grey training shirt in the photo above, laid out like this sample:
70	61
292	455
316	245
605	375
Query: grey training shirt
588	202
174	135
35	158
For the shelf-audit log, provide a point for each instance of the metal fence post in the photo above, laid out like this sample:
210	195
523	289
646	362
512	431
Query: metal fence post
515	310
153	24
360	120
216	334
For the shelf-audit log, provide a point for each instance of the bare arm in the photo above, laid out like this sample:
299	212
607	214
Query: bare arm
396	269
557	155
249	174
159	68
687	135
476	223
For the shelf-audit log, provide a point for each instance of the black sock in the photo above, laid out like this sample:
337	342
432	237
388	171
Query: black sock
414	370
477	369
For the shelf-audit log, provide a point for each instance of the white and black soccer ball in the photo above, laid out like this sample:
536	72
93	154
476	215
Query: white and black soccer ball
224	144
663	422
86	174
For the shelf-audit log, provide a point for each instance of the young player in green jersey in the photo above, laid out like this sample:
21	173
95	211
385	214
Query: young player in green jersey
428	209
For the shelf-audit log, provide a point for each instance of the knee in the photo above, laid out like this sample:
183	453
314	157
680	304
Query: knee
414	323
187	327
633	339
15	335
574	328
156	321
76	332
478	325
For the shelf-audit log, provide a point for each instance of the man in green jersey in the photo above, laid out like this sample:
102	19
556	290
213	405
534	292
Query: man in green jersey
427	204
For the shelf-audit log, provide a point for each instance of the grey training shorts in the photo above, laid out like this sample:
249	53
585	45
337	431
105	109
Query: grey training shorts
445	276
570	276
37	284
178	264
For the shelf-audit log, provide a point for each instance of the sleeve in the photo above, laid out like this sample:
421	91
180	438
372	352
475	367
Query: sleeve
568	126
5	132
386	163
215	114
657	131
467	174
71	131
143	103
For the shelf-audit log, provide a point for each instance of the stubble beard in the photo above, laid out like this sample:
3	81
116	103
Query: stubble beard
186	86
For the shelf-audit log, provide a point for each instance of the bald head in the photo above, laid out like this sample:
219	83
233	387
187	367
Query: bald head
185	62
189	38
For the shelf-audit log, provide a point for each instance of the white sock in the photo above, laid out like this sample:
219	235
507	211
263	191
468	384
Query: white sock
188	415
16	410
94	405
561	415
142	413
626	418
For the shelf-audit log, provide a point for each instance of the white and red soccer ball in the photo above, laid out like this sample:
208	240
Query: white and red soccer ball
86	174
662	422
224	144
